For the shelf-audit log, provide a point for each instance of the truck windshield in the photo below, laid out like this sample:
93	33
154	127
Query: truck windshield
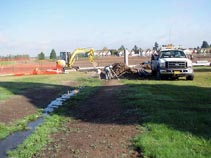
172	54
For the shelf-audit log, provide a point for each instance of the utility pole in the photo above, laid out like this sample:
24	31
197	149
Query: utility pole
125	57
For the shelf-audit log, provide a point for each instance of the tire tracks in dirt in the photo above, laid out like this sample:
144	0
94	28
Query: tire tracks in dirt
101	128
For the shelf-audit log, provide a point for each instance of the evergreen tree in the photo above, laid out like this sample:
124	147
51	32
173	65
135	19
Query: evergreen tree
41	56
135	49
205	44
156	46
53	54
121	48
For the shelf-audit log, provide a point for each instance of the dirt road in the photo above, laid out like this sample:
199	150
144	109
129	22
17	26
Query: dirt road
101	128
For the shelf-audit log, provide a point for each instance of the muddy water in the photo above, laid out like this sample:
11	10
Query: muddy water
17	138
12	141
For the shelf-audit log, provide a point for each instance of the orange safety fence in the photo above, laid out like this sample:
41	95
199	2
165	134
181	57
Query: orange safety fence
26	67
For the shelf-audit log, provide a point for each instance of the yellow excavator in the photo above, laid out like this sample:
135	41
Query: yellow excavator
67	59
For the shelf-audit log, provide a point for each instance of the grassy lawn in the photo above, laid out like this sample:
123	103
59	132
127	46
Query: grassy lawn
10	86
5	63
175	116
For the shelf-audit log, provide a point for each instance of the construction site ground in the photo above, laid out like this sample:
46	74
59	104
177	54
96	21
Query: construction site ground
20	106
101	126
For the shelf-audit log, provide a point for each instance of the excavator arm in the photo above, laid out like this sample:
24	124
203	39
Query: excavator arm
79	51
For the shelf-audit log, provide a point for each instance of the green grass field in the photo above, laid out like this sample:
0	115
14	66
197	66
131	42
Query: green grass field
3	63
10	85
175	116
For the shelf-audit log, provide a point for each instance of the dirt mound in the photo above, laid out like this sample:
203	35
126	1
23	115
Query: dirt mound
120	69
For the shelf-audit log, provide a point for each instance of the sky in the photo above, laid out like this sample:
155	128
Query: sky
34	26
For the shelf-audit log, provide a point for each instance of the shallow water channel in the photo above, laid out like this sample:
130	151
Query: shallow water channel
17	138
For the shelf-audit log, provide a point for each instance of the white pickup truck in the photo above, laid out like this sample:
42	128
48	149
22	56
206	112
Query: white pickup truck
172	64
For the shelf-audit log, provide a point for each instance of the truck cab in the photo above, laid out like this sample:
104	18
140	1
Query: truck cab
172	63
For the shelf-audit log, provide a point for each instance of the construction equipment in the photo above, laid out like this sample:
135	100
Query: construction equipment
67	59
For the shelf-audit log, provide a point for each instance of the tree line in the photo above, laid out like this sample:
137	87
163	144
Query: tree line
15	57
53	55
136	49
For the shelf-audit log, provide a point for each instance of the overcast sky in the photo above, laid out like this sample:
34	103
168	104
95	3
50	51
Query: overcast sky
32	26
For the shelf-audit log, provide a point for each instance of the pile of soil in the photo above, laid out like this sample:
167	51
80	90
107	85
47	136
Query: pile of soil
120	69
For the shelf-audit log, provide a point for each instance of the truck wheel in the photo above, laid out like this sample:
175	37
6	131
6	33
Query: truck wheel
190	77
154	72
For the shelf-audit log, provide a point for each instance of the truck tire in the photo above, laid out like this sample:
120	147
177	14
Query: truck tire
154	72
190	77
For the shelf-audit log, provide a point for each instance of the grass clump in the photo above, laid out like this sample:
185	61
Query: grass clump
19	125
40	138
162	141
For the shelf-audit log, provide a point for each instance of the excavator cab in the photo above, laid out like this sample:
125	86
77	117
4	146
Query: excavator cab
63	60
65	56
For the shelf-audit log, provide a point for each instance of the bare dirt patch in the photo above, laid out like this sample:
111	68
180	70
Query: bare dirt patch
101	128
26	104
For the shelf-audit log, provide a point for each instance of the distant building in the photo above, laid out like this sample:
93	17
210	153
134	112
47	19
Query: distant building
102	53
